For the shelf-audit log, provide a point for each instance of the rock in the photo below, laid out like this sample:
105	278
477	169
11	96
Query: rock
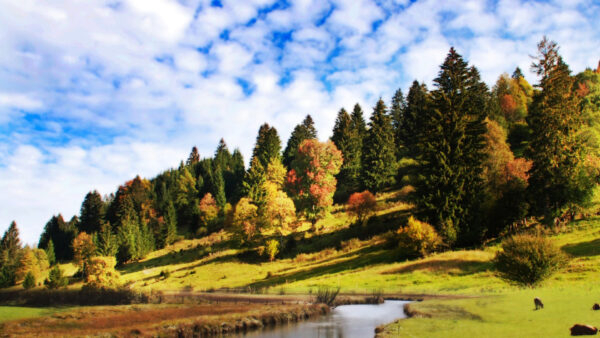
583	330
596	307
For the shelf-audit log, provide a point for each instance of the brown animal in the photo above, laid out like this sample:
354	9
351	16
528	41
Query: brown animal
596	307
538	303
583	330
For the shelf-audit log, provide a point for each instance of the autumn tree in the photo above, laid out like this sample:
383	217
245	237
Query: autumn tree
209	211
92	213
378	153
100	272
558	178
304	131
311	180
361	205
246	220
450	185
83	250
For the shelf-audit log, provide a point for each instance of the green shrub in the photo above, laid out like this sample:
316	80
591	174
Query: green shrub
272	249
29	281
417	239
528	259
165	274
55	279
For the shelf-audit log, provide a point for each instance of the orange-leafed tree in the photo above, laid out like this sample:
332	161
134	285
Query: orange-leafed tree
208	210
311	180
361	205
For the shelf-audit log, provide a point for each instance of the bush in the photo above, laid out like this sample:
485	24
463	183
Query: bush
29	281
528	259
361	205
55	279
417	239
272	249
327	295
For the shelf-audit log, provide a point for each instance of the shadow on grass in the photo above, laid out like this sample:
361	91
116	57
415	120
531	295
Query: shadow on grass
458	267
175	257
590	248
365	257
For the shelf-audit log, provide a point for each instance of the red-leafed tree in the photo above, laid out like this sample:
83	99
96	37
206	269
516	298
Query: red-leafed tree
311	181
361	205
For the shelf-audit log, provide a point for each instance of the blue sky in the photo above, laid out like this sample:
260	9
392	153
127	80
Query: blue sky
94	92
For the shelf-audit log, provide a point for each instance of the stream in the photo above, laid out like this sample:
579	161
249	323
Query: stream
345	321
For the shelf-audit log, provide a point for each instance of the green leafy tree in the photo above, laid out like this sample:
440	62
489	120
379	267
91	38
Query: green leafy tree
558	179
450	185
378	154
92	213
304	131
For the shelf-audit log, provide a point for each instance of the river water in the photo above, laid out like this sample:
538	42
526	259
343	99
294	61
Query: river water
346	321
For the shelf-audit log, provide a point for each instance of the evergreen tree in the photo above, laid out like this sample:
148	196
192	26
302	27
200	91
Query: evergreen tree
194	157
412	124
92	213
358	122
452	148
517	74
10	243
558	178
304	131
378	154
254	182
106	242
50	253
222	156
238	171
218	187
169	233
397	114
62	234
268	145
346	139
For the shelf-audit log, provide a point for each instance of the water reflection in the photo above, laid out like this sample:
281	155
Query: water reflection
347	321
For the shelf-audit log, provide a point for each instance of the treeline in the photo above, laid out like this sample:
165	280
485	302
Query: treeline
476	160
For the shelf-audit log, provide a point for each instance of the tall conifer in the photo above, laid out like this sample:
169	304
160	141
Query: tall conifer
304	131
268	145
346	139
92	213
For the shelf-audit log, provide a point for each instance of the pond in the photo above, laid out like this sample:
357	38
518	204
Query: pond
346	321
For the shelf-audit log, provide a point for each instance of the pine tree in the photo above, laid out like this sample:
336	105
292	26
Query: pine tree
106	242
10	243
169	233
92	213
358	122
517	74
397	114
62	234
268	145
304	131
254	182
50	253
450	187
218	187
238	171
412	123
194	157
346	139
558	177
222	156
378	154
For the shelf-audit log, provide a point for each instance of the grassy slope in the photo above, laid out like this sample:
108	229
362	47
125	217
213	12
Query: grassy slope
8	313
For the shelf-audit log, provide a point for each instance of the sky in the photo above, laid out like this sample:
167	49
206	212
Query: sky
95	92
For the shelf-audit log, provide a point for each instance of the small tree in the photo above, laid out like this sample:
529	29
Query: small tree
245	219
361	205
50	253
55	279
83	249
417	239
29	281
100	272
208	210
528	259
272	249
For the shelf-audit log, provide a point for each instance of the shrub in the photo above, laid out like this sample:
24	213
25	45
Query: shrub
272	249
29	281
100	272
327	295
417	239
528	259
361	205
55	279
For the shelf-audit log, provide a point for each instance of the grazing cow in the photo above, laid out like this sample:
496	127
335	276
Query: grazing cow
538	303
583	330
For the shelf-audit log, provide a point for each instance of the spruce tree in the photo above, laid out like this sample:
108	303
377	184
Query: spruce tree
378	152
346	139
50	253
10	243
222	156
558	178
194	157
105	241
397	114
452	149
238	171
92	213
517	74
62	234
268	145
358	122
254	183
304	131
412	123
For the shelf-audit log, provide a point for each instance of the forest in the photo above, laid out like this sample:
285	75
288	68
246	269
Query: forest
473	160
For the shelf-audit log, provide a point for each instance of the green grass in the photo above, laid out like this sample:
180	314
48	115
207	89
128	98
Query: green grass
8	313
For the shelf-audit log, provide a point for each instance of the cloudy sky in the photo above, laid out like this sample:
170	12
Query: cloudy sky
94	92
